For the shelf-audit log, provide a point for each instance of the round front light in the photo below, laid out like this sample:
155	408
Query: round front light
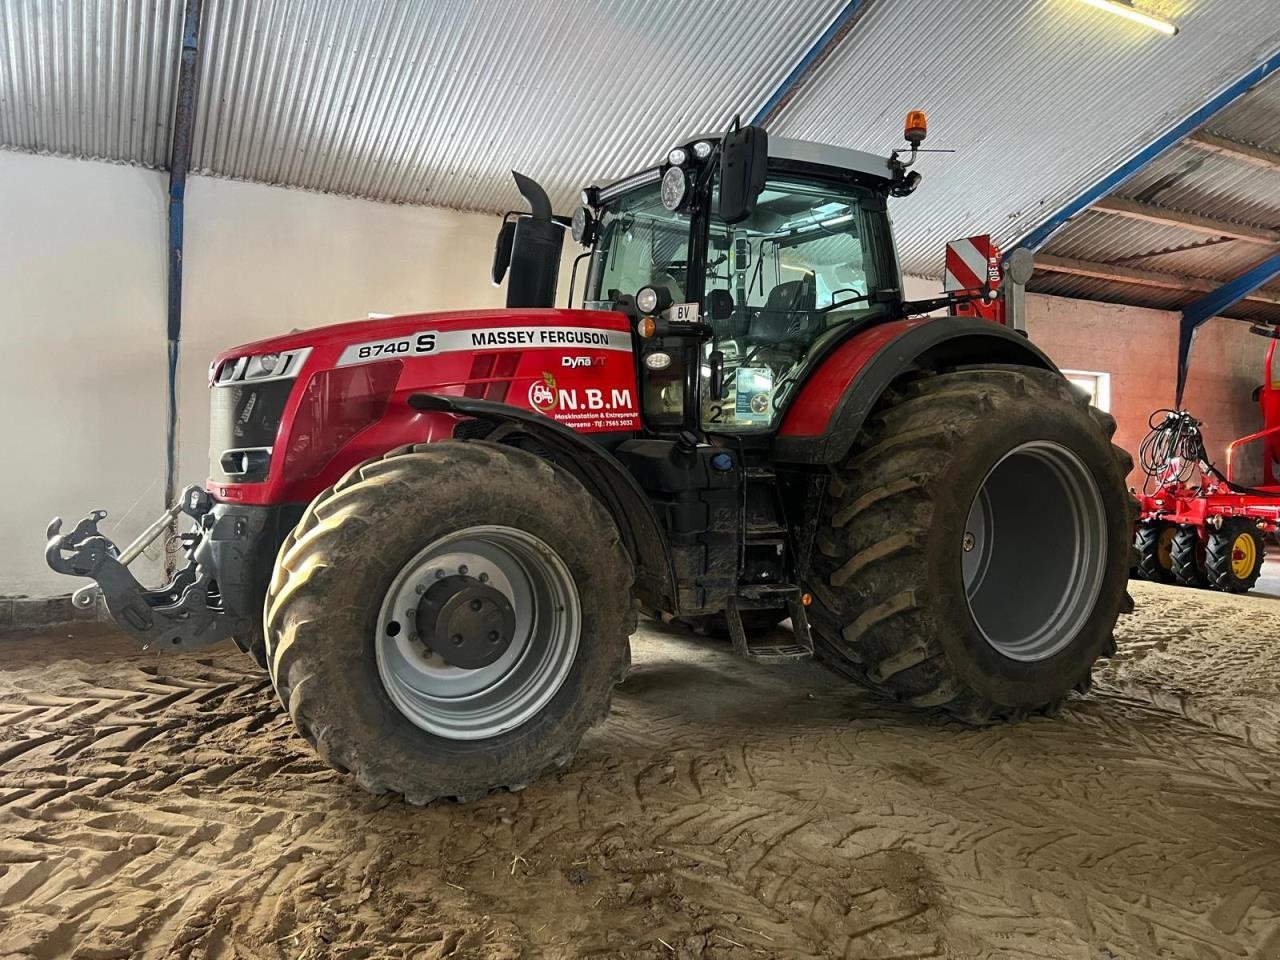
702	149
581	218
647	300
657	360
261	366
677	157
674	186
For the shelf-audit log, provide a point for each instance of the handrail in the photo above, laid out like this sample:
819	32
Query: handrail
1231	448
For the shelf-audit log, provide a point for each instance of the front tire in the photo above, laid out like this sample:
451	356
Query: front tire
974	547
353	620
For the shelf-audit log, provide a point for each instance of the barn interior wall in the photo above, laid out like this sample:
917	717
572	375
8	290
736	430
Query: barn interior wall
82	293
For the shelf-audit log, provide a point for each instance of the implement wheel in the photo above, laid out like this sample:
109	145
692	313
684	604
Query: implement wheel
1154	544
1233	556
974	548
1188	557
450	619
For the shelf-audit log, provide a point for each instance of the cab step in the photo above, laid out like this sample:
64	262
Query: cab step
801	647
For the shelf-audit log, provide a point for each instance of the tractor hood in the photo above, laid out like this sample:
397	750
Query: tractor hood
480	325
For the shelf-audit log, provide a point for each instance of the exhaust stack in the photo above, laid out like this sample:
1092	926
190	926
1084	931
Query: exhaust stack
535	250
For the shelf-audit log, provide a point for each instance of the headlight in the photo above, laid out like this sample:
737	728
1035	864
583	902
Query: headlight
702	149
647	300
677	157
263	365
657	360
674	186
582	228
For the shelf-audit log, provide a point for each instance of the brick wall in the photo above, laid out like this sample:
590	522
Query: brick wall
1139	348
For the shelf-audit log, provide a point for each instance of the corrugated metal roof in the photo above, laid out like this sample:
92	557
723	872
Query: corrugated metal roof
430	102
1039	98
1189	178
90	78
1254	118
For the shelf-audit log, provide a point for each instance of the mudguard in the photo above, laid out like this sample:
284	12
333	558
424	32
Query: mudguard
598	470
820	424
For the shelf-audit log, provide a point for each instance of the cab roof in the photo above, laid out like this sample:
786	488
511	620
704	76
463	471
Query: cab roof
780	148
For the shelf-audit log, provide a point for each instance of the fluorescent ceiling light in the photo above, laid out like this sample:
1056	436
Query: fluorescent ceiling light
1124	8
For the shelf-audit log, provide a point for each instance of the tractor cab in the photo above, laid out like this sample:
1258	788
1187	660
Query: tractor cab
741	261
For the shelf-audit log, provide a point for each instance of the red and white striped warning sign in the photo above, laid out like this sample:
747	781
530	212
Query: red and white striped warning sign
972	263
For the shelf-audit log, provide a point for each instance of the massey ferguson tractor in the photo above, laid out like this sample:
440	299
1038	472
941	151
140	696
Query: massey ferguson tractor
436	531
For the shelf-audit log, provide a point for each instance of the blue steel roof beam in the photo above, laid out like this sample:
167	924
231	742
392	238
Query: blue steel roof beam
1212	304
820	50
1036	238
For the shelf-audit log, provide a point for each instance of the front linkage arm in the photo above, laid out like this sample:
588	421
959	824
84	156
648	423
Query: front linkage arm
180	613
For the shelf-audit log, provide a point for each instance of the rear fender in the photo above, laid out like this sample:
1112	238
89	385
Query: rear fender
820	424
598	470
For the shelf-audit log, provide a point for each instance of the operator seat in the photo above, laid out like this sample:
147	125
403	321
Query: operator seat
787	315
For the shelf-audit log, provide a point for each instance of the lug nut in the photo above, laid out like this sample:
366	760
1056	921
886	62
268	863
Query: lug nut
476	605
463	569
969	541
484	578
420	588
457	639
493	636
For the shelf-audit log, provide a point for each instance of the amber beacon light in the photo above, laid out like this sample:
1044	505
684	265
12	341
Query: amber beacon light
915	128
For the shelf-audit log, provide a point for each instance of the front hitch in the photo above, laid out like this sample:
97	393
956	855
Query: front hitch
186	612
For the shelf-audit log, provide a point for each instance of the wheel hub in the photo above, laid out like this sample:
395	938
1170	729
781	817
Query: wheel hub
467	622
478	687
1033	551
1243	556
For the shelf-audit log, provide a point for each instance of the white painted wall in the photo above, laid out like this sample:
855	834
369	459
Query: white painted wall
82	308
82	269
82	303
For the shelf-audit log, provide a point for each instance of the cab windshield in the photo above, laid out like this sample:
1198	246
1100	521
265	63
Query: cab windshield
641	244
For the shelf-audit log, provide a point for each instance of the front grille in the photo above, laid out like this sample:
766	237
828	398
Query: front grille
244	417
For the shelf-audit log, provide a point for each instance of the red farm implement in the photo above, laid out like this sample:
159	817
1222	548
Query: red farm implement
1207	531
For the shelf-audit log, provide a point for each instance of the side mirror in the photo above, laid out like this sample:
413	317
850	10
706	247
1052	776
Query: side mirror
744	160
502	252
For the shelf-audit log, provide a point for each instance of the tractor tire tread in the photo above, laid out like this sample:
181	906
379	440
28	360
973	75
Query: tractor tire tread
306	556
869	623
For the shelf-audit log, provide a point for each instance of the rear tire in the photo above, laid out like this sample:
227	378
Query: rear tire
374	701
1187	556
893	605
1154	544
1233	557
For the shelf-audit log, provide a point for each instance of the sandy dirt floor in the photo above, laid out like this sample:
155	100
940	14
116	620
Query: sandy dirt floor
165	808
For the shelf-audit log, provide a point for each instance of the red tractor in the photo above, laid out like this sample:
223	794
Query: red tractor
1198	526
436	530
